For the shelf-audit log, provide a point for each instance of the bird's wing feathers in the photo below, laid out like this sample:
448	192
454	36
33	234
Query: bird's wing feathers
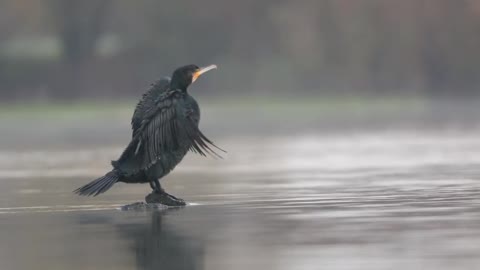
199	143
159	132
148	102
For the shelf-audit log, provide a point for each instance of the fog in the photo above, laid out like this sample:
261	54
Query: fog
67	49
350	128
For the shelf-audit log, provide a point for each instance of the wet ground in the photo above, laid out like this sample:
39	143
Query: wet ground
374	197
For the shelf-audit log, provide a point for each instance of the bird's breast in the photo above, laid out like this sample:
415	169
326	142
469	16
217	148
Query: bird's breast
192	109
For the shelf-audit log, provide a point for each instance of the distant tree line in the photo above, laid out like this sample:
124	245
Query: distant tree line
115	48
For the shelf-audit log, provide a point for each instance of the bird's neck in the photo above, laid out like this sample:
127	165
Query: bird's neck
178	91
178	85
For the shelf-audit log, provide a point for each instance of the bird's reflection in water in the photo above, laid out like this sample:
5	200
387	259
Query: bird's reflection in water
160	244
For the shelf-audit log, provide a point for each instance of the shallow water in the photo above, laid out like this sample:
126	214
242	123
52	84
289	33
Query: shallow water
404	198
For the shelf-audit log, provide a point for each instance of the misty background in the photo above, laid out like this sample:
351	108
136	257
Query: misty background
69	50
351	129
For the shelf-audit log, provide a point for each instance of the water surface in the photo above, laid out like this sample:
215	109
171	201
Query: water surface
404	198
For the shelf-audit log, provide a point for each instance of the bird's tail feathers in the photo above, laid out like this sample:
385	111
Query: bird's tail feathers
99	185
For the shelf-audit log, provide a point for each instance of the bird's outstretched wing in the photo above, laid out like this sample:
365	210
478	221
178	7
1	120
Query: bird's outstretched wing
199	143
163	129
148	101
153	134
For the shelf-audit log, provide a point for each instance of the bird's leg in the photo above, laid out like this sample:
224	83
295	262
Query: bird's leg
152	185
162	191
158	188
160	196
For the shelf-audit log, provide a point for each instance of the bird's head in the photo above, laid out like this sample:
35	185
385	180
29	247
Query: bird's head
184	76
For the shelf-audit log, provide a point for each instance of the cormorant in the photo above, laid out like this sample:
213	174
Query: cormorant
164	129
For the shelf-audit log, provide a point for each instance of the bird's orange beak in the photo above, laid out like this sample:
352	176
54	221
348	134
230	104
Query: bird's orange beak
202	70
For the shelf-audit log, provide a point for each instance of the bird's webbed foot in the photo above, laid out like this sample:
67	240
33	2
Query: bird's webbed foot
160	196
164	198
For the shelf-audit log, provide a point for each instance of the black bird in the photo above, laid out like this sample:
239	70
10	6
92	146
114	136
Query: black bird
165	128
